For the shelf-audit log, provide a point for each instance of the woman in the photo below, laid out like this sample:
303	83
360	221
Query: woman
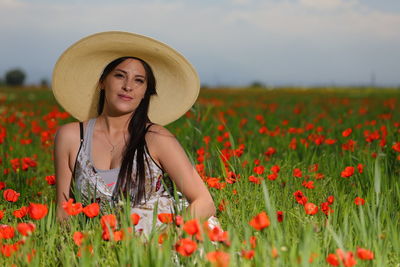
122	150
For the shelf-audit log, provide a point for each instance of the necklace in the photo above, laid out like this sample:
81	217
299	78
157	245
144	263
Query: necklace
113	146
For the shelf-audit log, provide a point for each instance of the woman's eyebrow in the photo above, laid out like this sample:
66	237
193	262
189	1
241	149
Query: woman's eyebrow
137	75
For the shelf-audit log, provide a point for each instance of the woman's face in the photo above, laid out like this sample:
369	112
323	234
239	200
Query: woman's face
124	87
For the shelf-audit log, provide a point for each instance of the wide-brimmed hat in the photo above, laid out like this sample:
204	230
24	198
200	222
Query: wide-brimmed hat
77	72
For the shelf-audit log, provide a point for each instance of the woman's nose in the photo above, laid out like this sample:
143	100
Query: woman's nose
127	87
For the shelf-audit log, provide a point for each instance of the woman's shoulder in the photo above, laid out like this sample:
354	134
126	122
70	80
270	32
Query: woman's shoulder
68	134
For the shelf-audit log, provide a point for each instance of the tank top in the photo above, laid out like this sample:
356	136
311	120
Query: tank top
95	185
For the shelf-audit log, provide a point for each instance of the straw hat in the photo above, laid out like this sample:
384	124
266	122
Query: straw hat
77	72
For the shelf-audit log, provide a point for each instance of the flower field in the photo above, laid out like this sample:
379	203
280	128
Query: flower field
299	178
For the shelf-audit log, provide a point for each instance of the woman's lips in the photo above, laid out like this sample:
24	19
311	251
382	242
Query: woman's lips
125	97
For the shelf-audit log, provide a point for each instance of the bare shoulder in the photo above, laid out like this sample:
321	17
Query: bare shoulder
158	133
68	132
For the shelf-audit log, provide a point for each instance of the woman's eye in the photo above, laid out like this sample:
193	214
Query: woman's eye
139	80
119	75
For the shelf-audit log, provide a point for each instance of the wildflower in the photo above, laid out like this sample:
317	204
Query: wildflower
325	208
185	247
26	229
333	260
6	231
78	238
192	227
256	180
51	179
297	173
272	176
275	169
347	132
108	220
396	147
259	169
92	210
37	211
71	208
308	184
365	254
165	217
348	171
279	216
218	258
360	168
2	185
135	218
330	200
310	208
346	258
260	221
248	254
300	197
359	201
10	195
20	213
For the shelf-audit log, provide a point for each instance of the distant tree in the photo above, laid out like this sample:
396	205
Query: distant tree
44	83
1	81
15	77
257	84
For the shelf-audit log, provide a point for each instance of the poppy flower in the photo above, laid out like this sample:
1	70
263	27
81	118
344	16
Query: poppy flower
275	169
10	195
6	231
396	147
162	237
360	168
279	216
51	179
348	171
135	218
308	184
20	213
297	173
272	176
37	211
185	247
248	254
218	258
165	217
192	227
365	254
330	200
72	208
359	201
8	249
333	260
346	258
347	132
85	249
216	234
255	180
78	238
109	220
2	185
1	214
310	208
260	221
300	197
259	169
26	229
92	210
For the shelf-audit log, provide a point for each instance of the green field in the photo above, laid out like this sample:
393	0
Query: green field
339	146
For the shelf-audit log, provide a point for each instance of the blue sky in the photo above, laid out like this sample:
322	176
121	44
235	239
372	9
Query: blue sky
230	42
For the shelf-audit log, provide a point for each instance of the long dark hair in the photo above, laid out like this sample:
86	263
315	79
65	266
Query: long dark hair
134	188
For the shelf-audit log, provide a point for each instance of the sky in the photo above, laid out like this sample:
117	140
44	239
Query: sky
229	42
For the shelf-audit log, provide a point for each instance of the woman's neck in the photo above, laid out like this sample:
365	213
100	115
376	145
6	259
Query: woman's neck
114	124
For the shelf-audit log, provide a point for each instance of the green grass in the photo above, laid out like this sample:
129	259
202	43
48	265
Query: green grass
374	226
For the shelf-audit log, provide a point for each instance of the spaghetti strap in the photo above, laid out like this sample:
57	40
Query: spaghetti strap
80	146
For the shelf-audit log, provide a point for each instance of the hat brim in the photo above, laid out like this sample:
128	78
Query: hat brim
77	72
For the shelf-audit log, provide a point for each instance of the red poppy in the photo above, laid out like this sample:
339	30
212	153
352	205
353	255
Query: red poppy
218	258
396	147
135	218
192	227
185	247
51	179
300	197
1	214
359	201
346	258
347	132
92	210
260	221
6	231
279	216
330	199
165	217
72	208
216	234
20	213
26	229
248	254
275	169
109	220
78	238
365	254
8	249
272	176
297	173
259	169
256	180
11	195
37	211
2	185
308	184
325	208
360	168
333	260
348	171
310	208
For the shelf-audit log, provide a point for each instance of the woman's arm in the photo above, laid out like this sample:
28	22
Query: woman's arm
64	143
167	150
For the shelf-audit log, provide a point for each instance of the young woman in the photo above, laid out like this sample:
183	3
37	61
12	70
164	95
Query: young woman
121	149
